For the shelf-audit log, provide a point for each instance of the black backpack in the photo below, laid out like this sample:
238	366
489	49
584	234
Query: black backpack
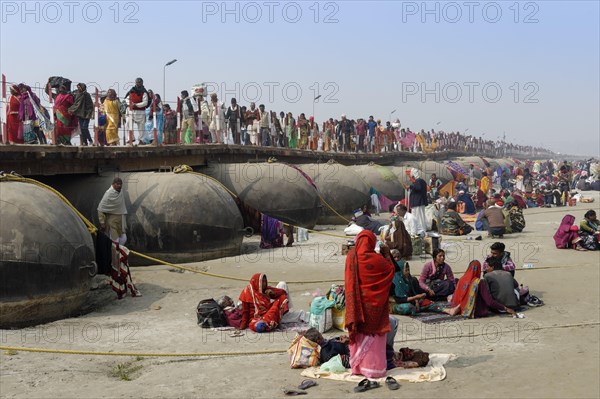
210	314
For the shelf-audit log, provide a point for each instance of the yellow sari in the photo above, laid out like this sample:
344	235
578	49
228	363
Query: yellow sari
485	184
113	115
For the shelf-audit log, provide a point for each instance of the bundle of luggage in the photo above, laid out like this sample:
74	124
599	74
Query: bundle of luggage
218	313
329	311
54	82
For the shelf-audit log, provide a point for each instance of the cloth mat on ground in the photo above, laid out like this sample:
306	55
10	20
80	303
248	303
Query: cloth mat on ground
434	371
435	318
470	219
297	327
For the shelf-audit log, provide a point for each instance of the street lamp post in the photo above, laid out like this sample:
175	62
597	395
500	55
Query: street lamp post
164	78
314	101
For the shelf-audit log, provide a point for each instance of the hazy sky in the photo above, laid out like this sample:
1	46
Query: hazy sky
530	69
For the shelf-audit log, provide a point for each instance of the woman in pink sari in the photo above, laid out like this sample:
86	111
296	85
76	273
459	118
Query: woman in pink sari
65	121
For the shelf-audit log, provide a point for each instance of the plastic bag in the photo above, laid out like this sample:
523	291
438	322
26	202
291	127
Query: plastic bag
334	365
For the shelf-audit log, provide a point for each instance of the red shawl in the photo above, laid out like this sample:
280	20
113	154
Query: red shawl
368	278
254	295
463	288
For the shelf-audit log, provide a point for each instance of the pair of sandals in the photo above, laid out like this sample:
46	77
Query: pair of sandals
366	385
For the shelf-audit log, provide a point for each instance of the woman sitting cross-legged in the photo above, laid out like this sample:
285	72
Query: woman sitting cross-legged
436	278
472	298
262	306
406	295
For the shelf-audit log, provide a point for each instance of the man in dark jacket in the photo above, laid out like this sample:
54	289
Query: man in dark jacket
83	108
418	200
502	284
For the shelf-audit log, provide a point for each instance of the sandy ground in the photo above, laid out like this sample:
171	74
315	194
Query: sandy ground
553	352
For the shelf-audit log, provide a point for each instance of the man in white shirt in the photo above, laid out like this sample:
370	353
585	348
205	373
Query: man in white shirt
408	219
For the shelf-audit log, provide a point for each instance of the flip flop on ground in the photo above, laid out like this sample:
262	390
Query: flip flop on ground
307	384
391	383
294	392
366	385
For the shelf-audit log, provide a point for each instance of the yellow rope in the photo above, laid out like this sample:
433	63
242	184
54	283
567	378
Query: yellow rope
327	234
250	353
190	269
141	354
188	169
15	177
93	230
330	207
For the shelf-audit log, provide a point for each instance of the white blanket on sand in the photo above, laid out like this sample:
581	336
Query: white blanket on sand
434	371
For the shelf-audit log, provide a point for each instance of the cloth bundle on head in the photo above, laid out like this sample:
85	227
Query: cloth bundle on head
414	172
199	90
358	213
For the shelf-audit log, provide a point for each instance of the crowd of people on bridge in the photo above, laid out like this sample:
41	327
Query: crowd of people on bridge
205	119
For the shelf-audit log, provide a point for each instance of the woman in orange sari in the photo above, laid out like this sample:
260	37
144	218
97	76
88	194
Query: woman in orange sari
13	123
472	297
368	278
262	306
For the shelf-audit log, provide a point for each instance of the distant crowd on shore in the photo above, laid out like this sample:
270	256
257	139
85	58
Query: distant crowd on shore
199	118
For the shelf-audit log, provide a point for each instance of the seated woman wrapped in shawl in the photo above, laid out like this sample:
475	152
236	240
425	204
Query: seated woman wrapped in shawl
397	238
368	277
406	295
271	232
589	230
567	235
472	298
468	201
262	306
452	224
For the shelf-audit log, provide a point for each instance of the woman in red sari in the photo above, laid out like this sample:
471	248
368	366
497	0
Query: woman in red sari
262	305
65	121
13	123
368	278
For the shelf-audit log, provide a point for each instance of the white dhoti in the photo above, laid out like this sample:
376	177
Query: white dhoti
253	132
420	219
138	118
375	202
